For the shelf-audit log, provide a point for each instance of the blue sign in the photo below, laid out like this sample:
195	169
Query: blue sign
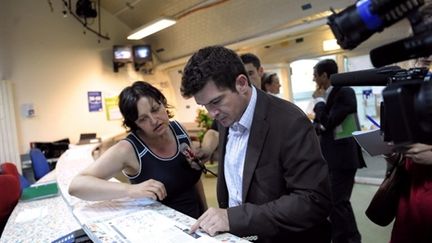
94	101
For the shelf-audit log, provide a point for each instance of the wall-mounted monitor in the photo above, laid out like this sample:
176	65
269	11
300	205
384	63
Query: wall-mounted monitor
142	54
122	54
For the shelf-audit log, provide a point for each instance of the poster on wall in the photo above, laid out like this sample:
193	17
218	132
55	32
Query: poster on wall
112	109
94	101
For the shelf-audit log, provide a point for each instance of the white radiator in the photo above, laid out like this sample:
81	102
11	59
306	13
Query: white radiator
8	132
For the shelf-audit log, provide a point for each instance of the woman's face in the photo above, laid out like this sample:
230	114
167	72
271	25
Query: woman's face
152	118
274	86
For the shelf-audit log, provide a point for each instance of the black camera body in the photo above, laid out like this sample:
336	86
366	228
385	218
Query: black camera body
406	110
358	22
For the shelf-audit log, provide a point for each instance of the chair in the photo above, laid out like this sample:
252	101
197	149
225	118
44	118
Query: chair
24	183
10	191
39	163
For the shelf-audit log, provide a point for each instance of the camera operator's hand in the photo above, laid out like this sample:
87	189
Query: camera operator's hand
420	153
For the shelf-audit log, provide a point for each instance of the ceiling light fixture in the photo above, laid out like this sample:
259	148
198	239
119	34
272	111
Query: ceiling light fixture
150	28
330	45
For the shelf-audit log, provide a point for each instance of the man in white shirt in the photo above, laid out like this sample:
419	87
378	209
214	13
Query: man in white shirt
272	181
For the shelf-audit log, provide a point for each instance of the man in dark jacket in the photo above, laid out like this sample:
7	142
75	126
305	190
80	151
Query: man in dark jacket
272	181
334	105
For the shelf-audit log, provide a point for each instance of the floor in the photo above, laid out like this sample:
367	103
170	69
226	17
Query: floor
367	181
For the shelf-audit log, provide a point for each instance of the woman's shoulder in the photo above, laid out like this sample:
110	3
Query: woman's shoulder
122	147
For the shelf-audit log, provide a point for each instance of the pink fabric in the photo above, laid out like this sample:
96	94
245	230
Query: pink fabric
414	217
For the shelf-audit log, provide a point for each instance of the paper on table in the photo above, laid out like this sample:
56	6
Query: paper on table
372	142
31	214
145	224
91	211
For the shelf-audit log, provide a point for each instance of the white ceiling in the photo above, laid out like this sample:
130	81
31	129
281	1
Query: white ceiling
268	28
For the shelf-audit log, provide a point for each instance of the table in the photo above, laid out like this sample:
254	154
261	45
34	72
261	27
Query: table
48	219
39	221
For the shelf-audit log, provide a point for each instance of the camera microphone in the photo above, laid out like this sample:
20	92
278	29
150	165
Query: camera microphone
408	48
368	77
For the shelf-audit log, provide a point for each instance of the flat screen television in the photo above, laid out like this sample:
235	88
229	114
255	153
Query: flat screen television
142	54
122	54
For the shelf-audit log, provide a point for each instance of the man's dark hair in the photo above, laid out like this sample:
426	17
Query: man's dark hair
129	98
251	58
214	63
328	66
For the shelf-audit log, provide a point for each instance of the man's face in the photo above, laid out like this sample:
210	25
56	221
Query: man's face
320	80
254	74
223	104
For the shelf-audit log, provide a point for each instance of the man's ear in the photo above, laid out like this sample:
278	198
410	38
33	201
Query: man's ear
324	74
260	72
241	83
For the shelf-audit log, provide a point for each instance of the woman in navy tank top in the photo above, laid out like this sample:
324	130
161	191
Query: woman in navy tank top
149	157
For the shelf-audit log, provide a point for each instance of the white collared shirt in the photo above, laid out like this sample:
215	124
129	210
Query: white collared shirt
236	147
323	99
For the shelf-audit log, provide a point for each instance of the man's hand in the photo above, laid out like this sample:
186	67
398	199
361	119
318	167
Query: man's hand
318	93
213	221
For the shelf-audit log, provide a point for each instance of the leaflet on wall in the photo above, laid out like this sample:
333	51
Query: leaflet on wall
112	109
94	99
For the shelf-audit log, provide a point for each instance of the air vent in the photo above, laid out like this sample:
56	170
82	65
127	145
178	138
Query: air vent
299	40
306	6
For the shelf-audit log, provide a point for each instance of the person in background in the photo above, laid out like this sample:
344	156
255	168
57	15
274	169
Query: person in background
270	83
272	180
253	68
333	105
413	221
149	156
209	143
210	140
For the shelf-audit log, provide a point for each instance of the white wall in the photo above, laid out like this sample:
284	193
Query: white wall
53	65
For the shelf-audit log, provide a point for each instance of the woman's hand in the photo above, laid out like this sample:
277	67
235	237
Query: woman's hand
420	153
150	188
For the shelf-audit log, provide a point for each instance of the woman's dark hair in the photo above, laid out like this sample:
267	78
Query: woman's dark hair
216	63
128	100
267	79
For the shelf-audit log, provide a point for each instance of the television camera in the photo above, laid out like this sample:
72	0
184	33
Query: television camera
406	110
358	22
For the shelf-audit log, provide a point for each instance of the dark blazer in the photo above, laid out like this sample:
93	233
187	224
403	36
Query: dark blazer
343	153
286	194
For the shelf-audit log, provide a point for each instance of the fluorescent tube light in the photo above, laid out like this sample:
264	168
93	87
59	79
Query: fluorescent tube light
150	28
330	45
